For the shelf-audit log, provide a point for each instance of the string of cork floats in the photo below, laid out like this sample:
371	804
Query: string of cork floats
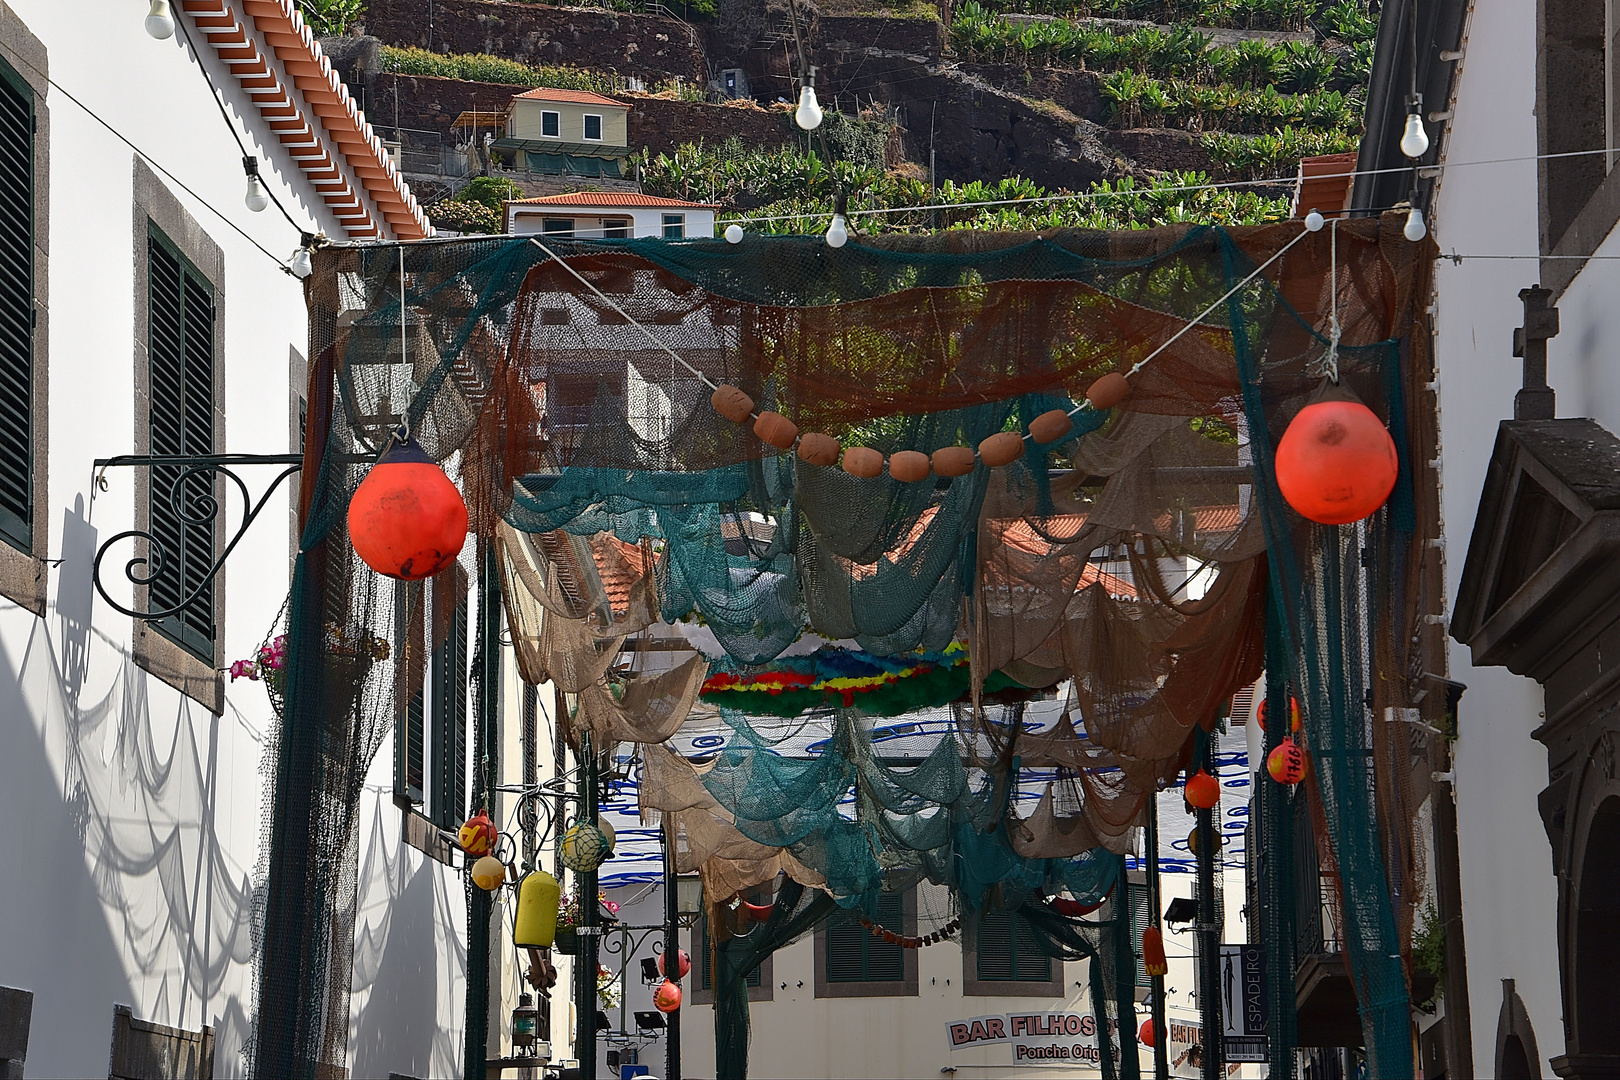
910	466
906	941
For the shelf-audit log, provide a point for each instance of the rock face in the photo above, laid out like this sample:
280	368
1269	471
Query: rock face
981	121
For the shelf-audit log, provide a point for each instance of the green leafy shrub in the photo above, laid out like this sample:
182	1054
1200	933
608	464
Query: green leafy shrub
330	18
465	216
481	67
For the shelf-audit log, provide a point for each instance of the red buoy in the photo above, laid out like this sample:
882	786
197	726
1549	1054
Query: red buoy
1145	1033
1336	462
667	998
683	964
1203	790
1293	710
406	519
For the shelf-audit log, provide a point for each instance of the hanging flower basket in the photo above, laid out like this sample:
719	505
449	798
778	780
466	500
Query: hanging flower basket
347	661
567	941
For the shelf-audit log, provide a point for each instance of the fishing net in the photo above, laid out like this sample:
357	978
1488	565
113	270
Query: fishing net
1109	590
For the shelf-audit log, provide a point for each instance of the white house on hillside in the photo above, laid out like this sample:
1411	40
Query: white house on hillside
610	215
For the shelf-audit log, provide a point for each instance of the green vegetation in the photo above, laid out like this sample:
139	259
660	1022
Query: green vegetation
1338	17
1429	951
329	18
482	67
476	208
791	184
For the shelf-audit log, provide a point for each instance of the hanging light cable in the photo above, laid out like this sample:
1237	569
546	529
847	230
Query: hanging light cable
1414	140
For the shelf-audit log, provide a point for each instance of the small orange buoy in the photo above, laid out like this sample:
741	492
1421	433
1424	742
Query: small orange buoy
908	466
1108	391
1203	790
953	460
488	873
1286	763
863	461
732	404
1153	958
1336	462
1145	1033
1293	709
776	430
683	964
1050	426
667	998
477	834
406	519
818	449
1002	448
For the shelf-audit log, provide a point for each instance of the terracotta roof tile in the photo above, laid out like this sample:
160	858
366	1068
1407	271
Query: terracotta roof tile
575	97
612	199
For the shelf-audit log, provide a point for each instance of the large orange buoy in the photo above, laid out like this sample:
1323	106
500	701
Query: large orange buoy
406	519
1203	790
1336	462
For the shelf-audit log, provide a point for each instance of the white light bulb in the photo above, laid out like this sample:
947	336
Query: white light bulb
301	265
256	198
1415	229
808	115
837	234
1414	141
734	234
159	23
1314	221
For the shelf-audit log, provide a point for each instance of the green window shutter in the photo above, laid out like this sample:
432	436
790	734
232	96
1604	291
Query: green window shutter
1141	919
180	351
409	649
855	955
706	957
16	310
1007	951
449	698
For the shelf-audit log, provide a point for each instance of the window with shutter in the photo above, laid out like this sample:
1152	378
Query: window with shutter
702	989
447	797
1141	919
410	659
180	353
853	962
1006	951
16	310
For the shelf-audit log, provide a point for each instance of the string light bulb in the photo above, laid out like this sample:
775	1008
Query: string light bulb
1414	140
159	23
808	115
734	233
301	265
1314	221
837	232
257	198
1415	229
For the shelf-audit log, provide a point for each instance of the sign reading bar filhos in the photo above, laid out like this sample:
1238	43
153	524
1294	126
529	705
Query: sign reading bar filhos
1045	1038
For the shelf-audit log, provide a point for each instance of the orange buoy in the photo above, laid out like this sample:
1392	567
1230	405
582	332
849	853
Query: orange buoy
1286	763
1108	391
477	835
683	964
1050	426
732	404
818	449
1145	1033
776	430
1153	958
667	998
1002	448
953	460
1336	462
1293	709
909	466
1203	790
406	519
863	461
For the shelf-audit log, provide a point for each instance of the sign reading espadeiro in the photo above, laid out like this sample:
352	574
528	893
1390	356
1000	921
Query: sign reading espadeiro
1047	1038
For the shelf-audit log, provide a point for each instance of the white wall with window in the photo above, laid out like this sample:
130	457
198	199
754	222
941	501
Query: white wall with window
144	309
614	215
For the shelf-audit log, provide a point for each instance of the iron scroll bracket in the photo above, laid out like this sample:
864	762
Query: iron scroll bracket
199	509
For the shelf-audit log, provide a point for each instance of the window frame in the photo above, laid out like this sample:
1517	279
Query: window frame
678	223
156	208
617	228
974	986
23	568
585	128
559	232
556	123
905	986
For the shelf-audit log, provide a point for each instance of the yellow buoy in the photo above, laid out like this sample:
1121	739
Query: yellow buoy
536	923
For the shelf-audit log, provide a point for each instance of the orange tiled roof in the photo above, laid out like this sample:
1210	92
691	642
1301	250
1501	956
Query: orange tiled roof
315	119
620	566
575	97
612	199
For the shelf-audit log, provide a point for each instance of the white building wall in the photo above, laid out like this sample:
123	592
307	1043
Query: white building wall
134	813
1509	893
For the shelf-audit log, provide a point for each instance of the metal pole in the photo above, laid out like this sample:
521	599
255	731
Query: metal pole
1161	1042
672	947
485	772
589	956
1209	935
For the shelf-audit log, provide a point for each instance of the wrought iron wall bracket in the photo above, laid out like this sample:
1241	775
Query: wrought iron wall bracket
198	510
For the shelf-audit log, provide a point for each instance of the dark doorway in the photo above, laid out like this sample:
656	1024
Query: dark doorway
1595	949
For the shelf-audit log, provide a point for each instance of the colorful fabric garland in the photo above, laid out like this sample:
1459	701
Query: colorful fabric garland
880	685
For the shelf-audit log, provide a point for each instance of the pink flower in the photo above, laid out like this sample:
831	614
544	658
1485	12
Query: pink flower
244	669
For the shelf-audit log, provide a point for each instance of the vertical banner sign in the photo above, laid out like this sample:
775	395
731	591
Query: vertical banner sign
1243	1002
